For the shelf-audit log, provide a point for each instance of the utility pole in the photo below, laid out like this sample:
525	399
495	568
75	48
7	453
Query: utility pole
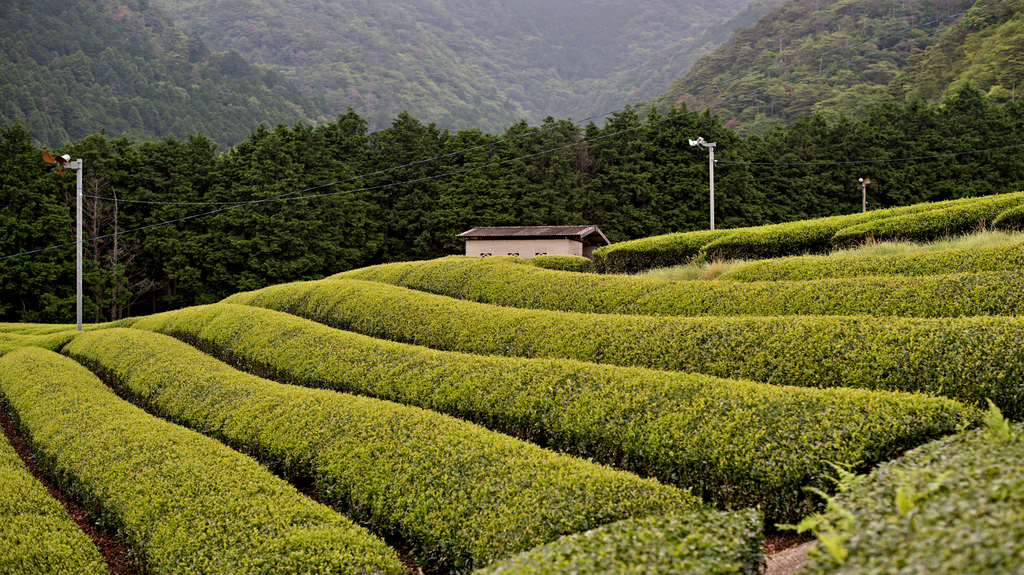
77	167
711	171
65	160
864	189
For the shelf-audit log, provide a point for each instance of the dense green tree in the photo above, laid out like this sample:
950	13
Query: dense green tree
296	226
831	57
172	223
39	286
405	189
72	68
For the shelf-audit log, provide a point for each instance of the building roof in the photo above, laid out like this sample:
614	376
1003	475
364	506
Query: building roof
588	234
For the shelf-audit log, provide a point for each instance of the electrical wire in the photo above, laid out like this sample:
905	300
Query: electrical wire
289	195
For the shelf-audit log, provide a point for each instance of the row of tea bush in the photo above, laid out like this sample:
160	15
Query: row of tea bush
968	359
458	495
919	222
36	533
502	283
971	260
734	442
951	507
180	501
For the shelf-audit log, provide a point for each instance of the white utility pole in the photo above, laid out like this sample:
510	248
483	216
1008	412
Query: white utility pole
65	160
77	167
711	170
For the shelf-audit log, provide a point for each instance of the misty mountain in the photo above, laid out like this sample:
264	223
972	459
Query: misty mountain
72	68
845	57
462	63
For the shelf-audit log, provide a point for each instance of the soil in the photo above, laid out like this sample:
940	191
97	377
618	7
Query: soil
778	542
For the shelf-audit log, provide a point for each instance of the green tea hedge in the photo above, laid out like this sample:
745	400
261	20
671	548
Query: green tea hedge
562	262
951	507
1011	220
735	442
33	328
36	534
957	218
460	496
708	543
968	359
785	239
182	502
475	279
778	240
45	340
998	258
655	252
805	236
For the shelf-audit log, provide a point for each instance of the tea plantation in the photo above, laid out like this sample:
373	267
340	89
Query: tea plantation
467	415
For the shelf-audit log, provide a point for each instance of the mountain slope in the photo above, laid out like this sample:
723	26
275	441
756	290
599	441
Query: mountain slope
72	68
987	51
462	63
814	56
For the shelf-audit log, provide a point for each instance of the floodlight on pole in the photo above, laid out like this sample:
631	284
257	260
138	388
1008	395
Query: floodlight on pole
65	160
864	189
711	171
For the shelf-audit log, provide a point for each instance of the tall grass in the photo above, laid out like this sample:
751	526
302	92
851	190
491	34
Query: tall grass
702	270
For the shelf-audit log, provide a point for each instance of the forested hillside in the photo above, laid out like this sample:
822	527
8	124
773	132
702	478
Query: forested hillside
304	202
843	57
72	68
987	51
463	64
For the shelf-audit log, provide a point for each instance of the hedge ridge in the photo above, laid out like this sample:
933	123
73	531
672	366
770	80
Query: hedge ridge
952	295
769	241
36	533
183	502
52	341
805	236
488	280
711	543
968	359
563	262
1011	220
949	507
997	258
661	251
737	443
460	495
956	218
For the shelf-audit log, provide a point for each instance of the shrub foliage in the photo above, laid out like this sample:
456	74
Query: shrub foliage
735	442
181	502
918	222
968	359
999	258
708	543
499	283
36	534
459	495
949	507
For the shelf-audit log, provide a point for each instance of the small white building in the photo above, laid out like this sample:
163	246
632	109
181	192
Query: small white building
530	241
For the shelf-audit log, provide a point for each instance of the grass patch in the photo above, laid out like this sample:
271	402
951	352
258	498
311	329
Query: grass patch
698	270
977	239
702	270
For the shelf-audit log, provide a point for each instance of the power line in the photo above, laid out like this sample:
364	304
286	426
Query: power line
634	106
289	195
650	101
